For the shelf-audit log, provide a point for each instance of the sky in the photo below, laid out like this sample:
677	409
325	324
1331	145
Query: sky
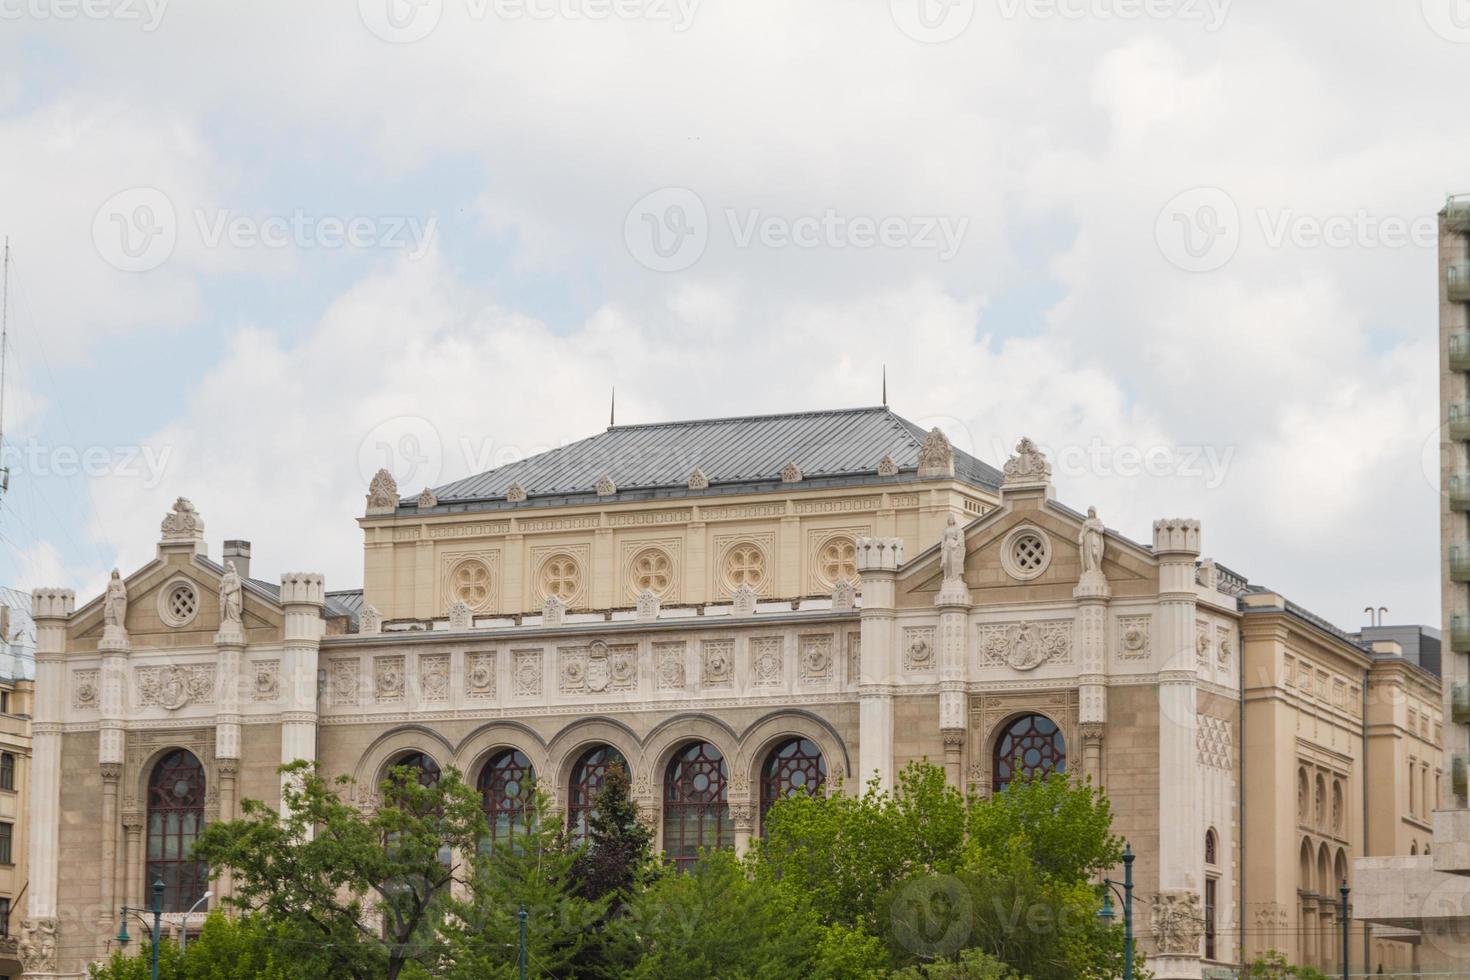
1187	246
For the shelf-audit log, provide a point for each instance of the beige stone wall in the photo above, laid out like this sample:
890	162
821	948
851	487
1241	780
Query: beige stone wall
412	564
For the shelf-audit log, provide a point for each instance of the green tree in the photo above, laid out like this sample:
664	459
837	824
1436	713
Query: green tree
718	920
532	869
366	888
242	948
618	857
934	874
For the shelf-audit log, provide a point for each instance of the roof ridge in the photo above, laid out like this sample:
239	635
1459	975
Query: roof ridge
678	423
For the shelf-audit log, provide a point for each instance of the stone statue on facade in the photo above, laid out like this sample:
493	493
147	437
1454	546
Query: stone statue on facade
115	604
952	551
230	607
1090	542
37	946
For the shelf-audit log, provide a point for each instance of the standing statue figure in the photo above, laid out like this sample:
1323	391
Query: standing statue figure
952	551
229	595
1090	541
37	945
115	602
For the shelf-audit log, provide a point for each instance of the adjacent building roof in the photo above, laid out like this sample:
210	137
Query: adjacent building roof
734	454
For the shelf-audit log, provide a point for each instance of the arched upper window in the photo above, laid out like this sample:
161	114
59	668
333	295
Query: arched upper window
506	791
1031	745
426	767
1211	847
587	776
1337	811
175	820
696	804
1301	795
1320	808
795	766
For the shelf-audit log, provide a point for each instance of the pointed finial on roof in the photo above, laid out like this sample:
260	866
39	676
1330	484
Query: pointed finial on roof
885	386
612	412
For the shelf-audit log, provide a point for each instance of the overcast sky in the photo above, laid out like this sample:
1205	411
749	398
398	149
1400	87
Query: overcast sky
1186	245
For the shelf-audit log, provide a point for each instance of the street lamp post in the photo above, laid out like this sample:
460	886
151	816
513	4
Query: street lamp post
184	932
1343	891
1126	896
157	910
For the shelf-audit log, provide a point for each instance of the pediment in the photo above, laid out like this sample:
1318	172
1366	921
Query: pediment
1003	562
174	603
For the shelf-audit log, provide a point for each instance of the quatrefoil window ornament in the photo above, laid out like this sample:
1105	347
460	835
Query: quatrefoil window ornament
652	572
745	564
838	561
561	577
470	583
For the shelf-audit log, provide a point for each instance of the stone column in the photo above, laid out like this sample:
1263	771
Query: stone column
953	603
132	890
111	864
743	816
1181	859
50	608
229	646
302	595
111	750
1090	629
878	560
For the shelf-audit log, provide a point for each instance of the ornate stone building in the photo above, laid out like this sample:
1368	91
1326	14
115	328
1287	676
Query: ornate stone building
738	609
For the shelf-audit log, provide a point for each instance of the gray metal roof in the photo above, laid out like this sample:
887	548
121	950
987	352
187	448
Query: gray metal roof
747	453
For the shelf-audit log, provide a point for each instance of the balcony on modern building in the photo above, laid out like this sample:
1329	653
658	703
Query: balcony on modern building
1460	634
1460	352
1459	777
1459	491
1459	563
1457	281
1458	424
1457	213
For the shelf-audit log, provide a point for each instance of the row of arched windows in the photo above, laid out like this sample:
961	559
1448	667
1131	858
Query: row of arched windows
695	798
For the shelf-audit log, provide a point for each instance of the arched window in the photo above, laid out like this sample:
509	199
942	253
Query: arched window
795	766
1301	795
1211	847
696	804
1031	745
1337	813
1321	801
587	776
175	819
426	767
506	791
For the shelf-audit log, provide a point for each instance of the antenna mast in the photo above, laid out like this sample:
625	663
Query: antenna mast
4	348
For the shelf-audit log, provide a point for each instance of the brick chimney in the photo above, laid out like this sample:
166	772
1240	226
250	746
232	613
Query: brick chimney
239	553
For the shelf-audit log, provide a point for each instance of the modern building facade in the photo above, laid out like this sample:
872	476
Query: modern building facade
17	668
1427	895
737	609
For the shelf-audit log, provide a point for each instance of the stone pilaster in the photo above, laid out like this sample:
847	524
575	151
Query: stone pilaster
1181	860
50	608
302	596
878	560
953	602
1090	630
111	869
